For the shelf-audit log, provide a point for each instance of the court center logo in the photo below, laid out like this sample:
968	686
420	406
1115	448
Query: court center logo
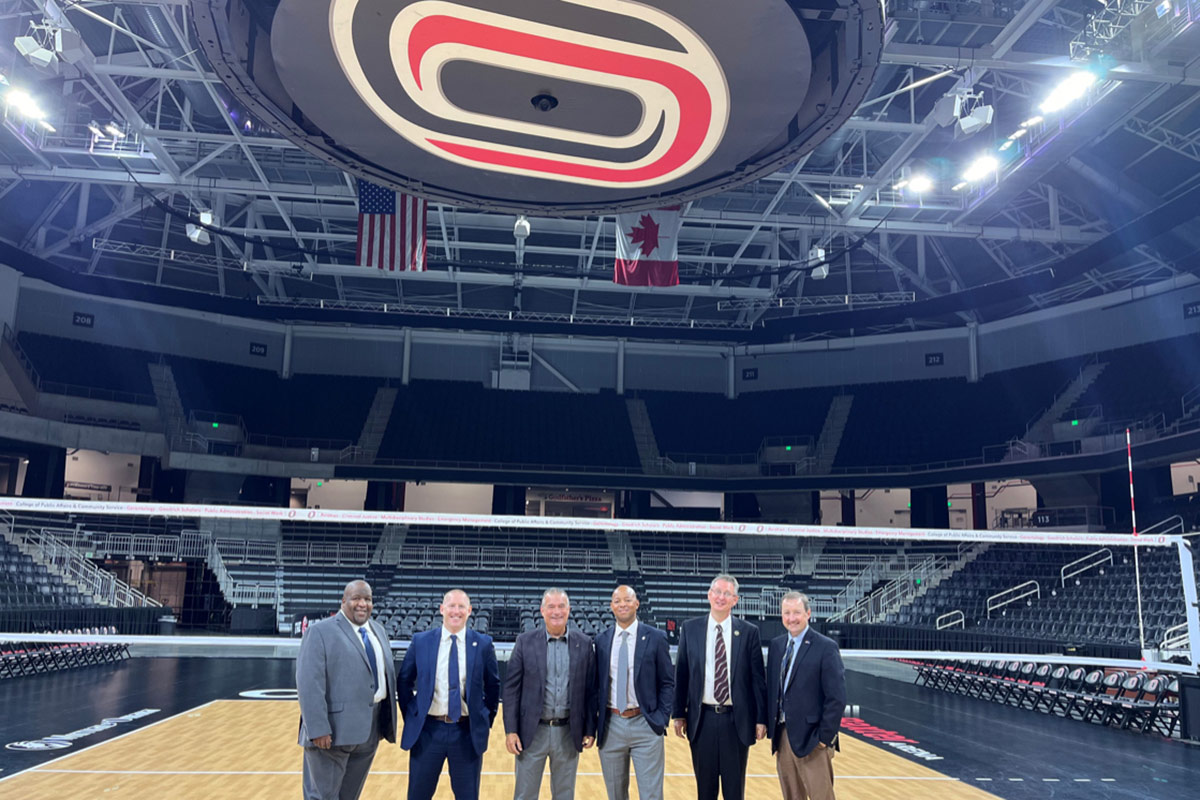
62	741
682	89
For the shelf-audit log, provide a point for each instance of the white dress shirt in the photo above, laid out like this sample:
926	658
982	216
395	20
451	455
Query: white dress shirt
631	700
440	705
381	689
710	669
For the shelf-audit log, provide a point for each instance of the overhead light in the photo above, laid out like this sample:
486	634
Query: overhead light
206	218
49	128
979	118
94	127
1029	123
1069	89
41	46
20	101
1017	134
920	183
898	186
114	131
816	259
197	234
980	168
1009	142
958	187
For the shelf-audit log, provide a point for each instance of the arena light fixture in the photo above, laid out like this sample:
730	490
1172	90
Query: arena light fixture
1069	89
23	103
920	183
980	168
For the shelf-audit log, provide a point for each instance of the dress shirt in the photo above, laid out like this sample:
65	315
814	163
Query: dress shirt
440	705
631	701
796	642
376	645
556	697
710	670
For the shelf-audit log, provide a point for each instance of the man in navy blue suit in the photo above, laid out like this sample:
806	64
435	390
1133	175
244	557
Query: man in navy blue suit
449	689
636	689
806	693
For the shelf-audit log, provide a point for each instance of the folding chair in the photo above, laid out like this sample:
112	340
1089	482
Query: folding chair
1142	710
1052	690
1084	697
1166	721
1106	694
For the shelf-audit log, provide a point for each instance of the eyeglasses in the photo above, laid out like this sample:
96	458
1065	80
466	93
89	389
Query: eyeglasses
724	594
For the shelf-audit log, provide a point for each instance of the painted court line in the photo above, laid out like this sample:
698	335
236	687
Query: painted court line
40	767
404	772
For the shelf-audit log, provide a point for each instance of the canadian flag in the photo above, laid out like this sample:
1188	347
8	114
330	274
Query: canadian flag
648	248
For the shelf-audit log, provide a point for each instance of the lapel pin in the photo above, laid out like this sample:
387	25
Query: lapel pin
737	633
474	644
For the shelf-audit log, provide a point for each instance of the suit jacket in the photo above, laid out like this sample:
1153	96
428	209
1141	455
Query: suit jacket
525	686
418	672
747	678
333	679
815	695
653	677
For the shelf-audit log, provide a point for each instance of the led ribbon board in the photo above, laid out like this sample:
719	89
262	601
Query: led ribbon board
550	106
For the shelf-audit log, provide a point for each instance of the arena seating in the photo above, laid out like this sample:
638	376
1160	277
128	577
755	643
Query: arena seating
462	422
700	424
26	584
302	406
1130	700
1146	380
70	365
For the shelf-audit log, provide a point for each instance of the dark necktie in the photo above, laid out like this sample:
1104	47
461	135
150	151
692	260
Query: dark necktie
721	671
370	657
783	676
454	707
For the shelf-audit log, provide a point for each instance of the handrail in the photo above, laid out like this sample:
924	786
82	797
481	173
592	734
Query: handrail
1102	556
1189	398
1095	359
26	362
949	620
65	561
1021	590
1165	527
1175	637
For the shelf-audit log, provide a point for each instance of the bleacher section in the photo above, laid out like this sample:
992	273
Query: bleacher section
303	406
66	366
26	585
1146	380
451	421
694	424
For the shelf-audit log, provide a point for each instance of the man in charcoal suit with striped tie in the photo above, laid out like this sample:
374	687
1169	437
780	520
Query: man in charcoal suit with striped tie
720	693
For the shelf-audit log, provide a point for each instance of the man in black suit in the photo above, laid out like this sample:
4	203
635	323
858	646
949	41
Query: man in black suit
806	692
550	701
720	693
636	690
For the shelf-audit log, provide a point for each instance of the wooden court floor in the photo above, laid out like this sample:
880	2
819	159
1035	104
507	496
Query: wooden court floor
246	749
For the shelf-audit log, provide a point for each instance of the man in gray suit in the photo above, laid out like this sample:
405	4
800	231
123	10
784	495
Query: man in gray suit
550	701
346	680
636	688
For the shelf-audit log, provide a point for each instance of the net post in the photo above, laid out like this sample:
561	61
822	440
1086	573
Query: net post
1137	565
1187	570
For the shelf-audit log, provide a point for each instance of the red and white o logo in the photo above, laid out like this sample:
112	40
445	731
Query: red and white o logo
684	95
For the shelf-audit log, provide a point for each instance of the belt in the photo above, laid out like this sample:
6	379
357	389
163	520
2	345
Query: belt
446	719
554	723
718	709
627	713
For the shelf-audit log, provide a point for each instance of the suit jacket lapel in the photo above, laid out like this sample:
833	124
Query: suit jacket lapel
429	657
805	646
469	642
735	649
354	638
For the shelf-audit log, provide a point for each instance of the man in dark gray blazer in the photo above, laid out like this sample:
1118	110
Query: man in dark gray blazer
806	693
636	689
346	680
550	701
720	693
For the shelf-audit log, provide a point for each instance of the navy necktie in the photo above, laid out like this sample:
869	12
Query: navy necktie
454	707
370	657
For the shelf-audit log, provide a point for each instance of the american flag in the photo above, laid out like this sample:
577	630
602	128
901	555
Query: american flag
391	229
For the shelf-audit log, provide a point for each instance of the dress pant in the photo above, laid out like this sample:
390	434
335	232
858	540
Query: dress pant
442	742
808	778
340	772
718	756
631	738
553	743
